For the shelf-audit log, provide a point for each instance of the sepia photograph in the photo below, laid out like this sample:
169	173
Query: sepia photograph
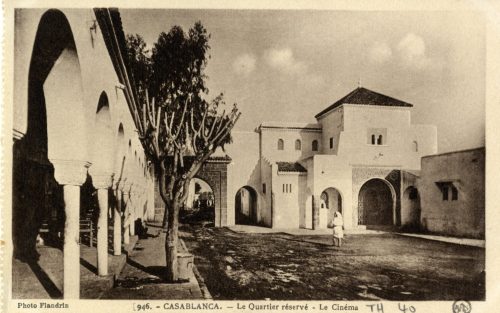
246	154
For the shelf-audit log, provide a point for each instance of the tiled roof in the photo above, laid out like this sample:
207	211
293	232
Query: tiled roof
290	167
365	96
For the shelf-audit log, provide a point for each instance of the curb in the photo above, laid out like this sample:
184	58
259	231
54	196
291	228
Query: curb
479	243
201	282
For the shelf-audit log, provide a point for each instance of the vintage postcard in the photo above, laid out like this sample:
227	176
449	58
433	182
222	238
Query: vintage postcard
250	156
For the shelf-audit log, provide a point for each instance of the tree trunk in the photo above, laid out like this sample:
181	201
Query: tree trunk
172	240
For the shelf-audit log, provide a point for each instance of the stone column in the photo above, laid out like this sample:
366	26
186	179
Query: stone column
117	224
126	217
132	210
71	174
102	183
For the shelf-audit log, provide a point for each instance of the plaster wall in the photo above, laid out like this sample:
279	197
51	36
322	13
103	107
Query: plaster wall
287	207
96	73
269	142
332	124
244	170
461	217
410	208
397	148
331	171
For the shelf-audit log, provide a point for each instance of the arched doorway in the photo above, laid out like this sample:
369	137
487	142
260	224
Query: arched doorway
246	206
55	131
376	203
200	202
331	201
410	212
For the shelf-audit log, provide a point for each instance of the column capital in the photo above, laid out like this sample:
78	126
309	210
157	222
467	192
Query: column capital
70	172
102	180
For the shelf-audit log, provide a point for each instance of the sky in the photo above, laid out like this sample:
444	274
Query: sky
288	65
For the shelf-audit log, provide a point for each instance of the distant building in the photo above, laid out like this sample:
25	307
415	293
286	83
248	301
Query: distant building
360	158
452	197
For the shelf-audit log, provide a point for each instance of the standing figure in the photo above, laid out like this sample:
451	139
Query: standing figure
338	229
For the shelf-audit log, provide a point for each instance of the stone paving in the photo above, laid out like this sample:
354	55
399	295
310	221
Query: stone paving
137	276
141	278
44	279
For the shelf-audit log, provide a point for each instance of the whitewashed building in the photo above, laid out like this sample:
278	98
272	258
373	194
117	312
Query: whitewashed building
359	158
75	148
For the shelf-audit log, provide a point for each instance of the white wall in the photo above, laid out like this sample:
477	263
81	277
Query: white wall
97	75
331	171
397	148
332	124
265	210
244	170
286	212
270	137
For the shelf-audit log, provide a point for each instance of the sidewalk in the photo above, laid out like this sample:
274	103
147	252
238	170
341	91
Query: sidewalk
141	278
250	229
44	279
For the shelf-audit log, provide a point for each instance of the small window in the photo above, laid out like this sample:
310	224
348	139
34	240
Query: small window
454	193
315	145
263	188
331	142
415	146
446	188
376	136
445	193
281	144
287	188
298	145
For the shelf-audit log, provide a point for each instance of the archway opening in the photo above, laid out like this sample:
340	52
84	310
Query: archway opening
410	212
103	137
375	203
246	206
200	203
331	202
120	153
54	91
89	212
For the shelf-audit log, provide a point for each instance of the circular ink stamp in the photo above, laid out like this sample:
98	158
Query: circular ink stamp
462	306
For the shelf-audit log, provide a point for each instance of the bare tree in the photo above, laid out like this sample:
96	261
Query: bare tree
178	128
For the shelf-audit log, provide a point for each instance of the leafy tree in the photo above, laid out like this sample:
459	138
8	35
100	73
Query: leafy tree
178	128
139	63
